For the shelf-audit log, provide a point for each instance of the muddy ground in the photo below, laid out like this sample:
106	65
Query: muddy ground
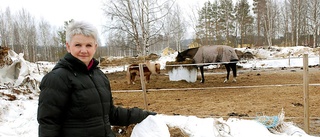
256	93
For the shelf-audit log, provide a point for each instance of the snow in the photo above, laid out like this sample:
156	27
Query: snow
156	126
19	97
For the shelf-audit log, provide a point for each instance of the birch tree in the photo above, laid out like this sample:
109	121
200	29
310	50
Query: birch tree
270	18
226	20
27	33
285	14
6	31
180	27
259	8
192	18
44	39
140	19
174	27
314	12
3	30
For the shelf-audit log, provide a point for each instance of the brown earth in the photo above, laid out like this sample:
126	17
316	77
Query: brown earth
3	56
256	93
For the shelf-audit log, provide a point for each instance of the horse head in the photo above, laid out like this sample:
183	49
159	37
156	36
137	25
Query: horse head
180	57
186	54
157	67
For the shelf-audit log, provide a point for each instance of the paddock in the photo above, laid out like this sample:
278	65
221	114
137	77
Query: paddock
256	92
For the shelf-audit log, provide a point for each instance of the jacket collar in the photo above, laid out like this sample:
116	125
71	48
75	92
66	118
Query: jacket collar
72	63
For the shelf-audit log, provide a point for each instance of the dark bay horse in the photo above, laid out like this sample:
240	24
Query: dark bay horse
205	55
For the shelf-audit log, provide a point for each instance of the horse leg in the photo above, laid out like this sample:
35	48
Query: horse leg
228	72
234	71
133	77
128	77
148	77
202	76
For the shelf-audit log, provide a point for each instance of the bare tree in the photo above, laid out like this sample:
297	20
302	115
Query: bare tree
44	39
3	30
174	27
27	33
285	14
6	31
117	45
270	19
259	8
192	18
140	19
180	27
314	12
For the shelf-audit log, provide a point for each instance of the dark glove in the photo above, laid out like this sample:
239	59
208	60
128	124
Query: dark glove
151	113
144	115
147	113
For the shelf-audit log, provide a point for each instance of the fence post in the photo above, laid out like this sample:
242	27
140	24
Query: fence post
319	56
143	85
289	58
306	92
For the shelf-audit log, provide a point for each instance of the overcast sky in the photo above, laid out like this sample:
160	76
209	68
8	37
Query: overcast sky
58	11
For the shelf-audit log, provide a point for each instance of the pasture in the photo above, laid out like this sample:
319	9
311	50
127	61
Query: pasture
256	93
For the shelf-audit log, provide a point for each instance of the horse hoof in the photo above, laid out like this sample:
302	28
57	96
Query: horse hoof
225	81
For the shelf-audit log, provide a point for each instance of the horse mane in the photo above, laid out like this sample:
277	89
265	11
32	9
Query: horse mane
189	53
152	67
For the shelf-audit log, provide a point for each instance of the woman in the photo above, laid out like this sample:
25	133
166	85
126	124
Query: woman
75	98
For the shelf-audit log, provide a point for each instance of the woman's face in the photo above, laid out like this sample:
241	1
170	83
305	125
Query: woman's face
82	47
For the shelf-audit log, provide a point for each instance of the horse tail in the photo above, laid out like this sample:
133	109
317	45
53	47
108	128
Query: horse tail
234	55
229	54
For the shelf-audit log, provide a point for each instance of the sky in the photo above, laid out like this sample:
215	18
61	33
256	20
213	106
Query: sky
58	11
18	117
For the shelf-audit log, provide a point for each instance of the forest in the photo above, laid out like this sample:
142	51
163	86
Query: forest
142	27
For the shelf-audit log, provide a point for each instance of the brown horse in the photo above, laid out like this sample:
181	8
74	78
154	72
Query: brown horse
205	55
148	69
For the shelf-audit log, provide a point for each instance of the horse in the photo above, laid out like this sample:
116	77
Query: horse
148	69
211	54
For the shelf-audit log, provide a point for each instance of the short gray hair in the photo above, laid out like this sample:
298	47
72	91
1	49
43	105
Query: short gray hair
83	28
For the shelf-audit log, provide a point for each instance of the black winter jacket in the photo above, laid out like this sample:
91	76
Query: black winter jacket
77	102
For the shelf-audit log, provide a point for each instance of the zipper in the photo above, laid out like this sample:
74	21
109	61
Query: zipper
100	97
